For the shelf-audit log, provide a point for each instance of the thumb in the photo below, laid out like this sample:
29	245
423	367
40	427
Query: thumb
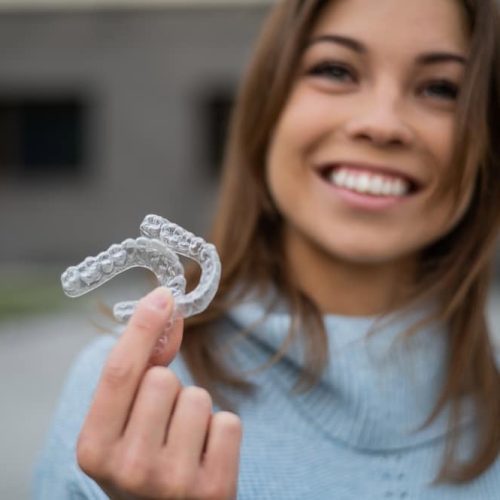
168	344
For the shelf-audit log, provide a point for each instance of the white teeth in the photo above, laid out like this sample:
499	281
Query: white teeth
399	187
376	184
362	183
339	177
373	184
386	187
350	181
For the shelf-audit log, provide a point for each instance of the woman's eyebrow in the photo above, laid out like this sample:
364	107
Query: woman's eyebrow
350	43
359	47
440	57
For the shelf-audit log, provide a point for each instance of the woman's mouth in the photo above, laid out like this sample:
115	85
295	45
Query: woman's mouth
374	184
369	188
363	181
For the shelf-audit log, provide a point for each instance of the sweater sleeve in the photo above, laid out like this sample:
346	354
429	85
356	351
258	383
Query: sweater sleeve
57	475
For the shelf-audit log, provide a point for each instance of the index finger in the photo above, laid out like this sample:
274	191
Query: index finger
125	365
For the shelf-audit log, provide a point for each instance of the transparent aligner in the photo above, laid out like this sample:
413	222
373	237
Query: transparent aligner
144	252
185	243
157	251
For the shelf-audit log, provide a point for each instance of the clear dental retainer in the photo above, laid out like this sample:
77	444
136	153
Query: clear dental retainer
158	250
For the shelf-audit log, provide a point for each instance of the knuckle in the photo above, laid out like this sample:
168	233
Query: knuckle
214	490
89	455
135	472
116	372
198	397
172	378
230	422
162	378
179	483
144	322
134	482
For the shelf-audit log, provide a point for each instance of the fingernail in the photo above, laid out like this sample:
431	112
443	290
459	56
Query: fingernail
159	298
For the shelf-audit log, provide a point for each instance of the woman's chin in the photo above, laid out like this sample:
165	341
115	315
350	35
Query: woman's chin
370	255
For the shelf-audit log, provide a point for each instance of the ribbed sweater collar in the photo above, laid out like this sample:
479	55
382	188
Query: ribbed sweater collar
377	389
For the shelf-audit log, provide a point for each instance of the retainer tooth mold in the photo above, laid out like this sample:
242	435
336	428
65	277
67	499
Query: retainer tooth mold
118	254
157	250
187	244
105	262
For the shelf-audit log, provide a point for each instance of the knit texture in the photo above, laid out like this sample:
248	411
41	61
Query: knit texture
354	436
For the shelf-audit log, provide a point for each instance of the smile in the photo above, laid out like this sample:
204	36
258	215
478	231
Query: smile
371	181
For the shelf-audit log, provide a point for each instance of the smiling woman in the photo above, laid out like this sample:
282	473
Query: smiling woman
370	109
357	222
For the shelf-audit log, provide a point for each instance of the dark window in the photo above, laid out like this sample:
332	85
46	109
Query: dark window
217	110
42	137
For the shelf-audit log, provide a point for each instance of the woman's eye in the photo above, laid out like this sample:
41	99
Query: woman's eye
333	71
441	89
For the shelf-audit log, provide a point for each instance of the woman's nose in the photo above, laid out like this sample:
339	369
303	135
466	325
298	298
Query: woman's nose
380	121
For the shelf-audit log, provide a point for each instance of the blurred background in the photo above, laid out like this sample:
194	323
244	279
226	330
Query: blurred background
109	110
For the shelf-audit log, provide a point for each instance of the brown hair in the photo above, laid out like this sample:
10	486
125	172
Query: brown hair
457	268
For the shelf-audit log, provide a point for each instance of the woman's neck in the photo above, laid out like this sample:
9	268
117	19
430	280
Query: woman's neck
348	288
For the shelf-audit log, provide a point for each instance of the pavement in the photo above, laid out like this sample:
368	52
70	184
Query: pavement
35	354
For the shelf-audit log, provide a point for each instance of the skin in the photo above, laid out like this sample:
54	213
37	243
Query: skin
382	107
145	435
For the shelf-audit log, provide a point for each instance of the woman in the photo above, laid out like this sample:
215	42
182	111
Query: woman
359	211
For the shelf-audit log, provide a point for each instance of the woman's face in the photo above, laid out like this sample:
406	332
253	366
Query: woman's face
367	132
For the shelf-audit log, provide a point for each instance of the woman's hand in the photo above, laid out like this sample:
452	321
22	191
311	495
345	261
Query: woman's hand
146	436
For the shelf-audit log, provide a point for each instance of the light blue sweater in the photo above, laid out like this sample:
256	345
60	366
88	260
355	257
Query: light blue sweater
350	438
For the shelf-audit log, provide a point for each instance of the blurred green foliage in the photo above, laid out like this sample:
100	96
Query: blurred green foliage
33	292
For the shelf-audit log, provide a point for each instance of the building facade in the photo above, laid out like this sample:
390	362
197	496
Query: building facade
110	113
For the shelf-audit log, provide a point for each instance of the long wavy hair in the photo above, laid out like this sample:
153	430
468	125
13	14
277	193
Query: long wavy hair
457	268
